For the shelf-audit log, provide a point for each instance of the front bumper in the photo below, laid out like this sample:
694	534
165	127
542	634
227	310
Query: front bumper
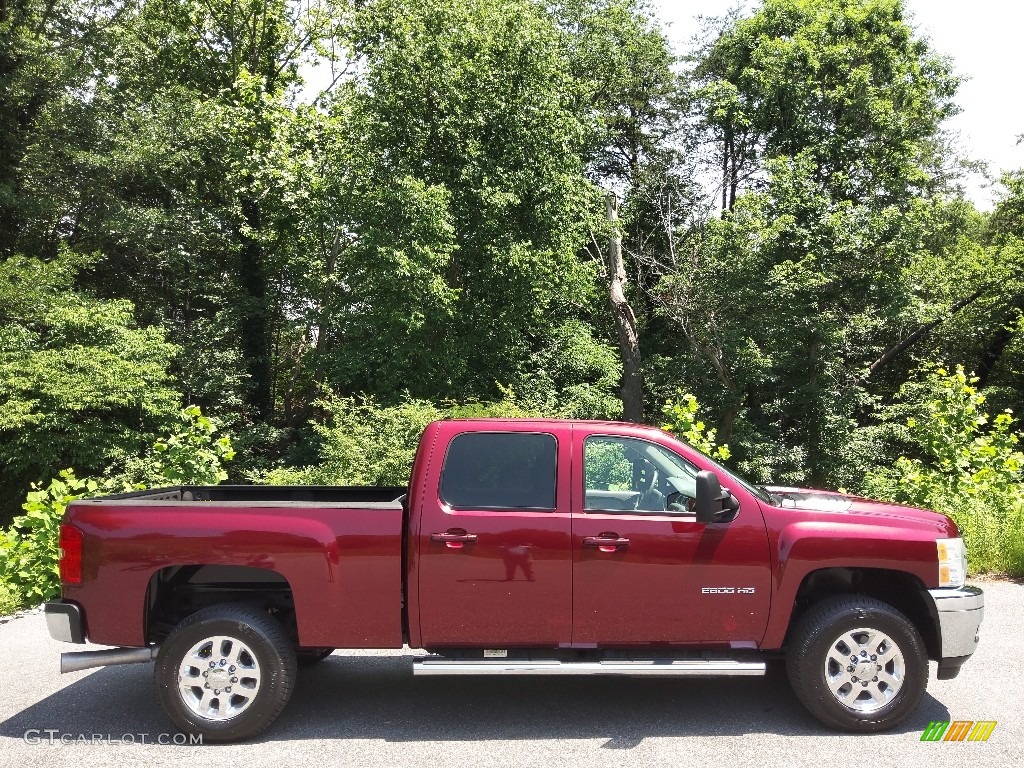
959	613
64	622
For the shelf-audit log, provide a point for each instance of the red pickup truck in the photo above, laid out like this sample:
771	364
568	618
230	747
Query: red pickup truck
520	547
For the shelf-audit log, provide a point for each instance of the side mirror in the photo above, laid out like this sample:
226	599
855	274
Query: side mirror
711	499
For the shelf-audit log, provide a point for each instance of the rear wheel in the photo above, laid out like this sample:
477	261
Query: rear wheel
225	672
857	664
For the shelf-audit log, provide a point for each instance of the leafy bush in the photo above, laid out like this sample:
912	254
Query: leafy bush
29	553
362	443
10	600
82	383
574	376
190	455
971	470
680	417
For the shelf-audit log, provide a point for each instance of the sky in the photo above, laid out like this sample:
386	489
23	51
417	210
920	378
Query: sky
983	38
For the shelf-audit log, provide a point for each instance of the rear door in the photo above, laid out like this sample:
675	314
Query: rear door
494	565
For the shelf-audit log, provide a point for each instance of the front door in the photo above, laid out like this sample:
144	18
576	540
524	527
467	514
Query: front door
645	572
494	567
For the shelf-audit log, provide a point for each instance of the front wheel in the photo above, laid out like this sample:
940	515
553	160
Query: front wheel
225	672
857	664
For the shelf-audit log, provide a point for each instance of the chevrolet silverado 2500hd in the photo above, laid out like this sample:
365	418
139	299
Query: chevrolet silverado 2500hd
519	547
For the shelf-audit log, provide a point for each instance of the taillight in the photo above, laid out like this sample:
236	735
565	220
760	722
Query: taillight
70	555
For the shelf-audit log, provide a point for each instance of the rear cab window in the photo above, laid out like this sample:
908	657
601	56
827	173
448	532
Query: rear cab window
500	470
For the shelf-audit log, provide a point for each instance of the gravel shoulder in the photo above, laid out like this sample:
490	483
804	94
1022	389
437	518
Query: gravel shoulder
365	708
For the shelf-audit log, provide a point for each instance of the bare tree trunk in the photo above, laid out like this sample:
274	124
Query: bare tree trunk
899	348
632	389
725	173
734	172
255	330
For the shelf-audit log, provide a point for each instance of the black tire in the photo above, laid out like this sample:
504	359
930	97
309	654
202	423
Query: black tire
819	632
307	657
262	648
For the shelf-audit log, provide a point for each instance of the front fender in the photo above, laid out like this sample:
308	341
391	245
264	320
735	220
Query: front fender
801	547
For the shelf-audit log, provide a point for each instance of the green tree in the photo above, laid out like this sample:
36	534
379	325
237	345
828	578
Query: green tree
83	384
845	83
180	177
631	102
475	95
809	278
46	53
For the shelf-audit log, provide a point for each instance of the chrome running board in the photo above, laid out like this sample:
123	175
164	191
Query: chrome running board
431	665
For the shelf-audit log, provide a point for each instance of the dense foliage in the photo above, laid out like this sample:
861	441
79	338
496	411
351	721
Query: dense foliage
82	383
972	470
326	222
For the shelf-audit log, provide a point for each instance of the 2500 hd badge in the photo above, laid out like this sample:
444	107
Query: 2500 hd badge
727	590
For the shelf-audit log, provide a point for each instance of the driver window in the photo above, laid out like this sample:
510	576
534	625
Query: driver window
626	474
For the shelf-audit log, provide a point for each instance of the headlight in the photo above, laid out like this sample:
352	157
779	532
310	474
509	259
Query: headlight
952	562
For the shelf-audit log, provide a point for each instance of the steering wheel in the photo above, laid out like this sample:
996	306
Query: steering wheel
651	494
679	502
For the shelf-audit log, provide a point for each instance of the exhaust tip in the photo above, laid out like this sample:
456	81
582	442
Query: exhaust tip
81	660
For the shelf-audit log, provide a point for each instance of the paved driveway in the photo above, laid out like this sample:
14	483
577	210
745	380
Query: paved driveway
366	709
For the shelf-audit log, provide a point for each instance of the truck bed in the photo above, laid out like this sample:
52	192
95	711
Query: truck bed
339	495
338	550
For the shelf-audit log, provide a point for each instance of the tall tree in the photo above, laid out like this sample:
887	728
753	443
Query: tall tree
474	94
844	81
631	101
47	55
179	175
802	284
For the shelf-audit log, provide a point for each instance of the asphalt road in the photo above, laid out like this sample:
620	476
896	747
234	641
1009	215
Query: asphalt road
366	709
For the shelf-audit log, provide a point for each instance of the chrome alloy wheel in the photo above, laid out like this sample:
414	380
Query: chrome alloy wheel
219	678
864	669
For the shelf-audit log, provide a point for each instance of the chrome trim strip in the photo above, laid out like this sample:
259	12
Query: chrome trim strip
962	599
668	668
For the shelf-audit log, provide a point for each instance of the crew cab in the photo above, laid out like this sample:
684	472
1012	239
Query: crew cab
519	547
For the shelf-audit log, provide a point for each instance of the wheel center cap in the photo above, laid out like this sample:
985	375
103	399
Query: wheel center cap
218	677
866	669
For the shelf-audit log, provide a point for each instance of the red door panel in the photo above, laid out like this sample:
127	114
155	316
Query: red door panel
664	579
657	588
510	585
508	588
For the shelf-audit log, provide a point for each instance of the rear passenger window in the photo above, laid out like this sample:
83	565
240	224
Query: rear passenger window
500	470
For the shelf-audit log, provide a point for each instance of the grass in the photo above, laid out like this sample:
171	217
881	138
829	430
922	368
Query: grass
993	528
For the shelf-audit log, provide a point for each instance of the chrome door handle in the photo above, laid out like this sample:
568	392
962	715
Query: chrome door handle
606	543
453	539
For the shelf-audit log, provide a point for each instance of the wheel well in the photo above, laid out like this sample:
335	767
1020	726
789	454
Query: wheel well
903	591
177	592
